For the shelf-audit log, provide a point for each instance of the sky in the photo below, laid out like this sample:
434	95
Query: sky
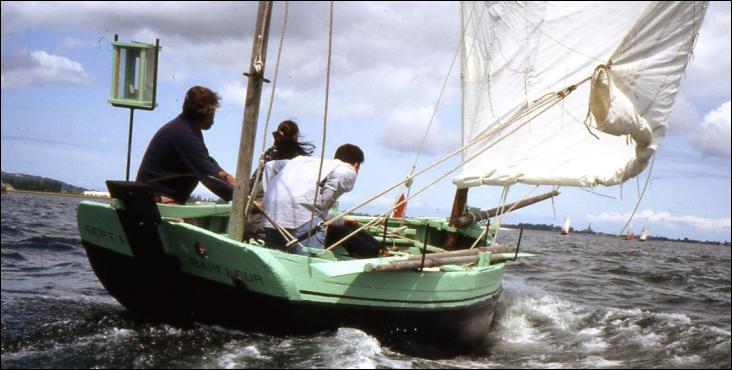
389	62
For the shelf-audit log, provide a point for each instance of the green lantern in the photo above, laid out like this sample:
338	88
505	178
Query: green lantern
134	74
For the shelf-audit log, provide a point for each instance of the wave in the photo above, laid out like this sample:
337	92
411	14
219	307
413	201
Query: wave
531	320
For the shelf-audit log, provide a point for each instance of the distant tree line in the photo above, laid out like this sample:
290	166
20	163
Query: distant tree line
195	198
21	181
544	227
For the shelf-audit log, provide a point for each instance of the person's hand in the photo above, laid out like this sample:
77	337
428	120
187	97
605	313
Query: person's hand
229	179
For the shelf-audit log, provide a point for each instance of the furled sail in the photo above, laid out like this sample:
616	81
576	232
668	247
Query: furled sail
606	130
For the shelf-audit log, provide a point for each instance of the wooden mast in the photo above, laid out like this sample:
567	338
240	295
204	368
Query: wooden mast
461	195
238	217
458	208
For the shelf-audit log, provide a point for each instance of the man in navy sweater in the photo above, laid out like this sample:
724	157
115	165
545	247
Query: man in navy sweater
177	157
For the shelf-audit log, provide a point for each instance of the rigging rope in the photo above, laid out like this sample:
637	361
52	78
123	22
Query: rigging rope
260	165
502	214
544	103
408	184
325	121
650	170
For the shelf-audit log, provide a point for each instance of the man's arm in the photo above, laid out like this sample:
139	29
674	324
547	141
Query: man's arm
193	152
338	182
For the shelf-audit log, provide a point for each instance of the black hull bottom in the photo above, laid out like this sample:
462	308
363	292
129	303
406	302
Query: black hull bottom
161	293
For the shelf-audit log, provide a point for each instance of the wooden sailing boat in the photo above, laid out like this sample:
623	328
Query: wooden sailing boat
565	227
436	291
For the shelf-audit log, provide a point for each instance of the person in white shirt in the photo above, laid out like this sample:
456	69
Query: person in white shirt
290	187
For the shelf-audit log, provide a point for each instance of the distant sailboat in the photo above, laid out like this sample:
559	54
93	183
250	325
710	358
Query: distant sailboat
644	234
630	235
565	227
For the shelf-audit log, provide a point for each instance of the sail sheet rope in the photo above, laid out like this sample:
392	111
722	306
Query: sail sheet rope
640	197
325	119
291	240
408	184
540	106
499	217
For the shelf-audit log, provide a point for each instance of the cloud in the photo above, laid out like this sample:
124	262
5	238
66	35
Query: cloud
27	139
709	136
713	137
233	94
696	222
404	130
708	74
76	43
191	20
684	117
371	68
39	67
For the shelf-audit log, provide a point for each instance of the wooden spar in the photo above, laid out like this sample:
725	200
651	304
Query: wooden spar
439	259
458	208
469	252
249	124
473	217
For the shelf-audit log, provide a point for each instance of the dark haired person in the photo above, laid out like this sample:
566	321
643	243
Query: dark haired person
286	145
290	188
177	157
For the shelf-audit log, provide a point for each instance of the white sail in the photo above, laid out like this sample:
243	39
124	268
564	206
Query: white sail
644	234
516	52
565	226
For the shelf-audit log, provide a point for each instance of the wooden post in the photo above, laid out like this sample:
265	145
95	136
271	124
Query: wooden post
458	207
238	217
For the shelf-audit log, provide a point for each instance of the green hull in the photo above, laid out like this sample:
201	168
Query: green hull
288	292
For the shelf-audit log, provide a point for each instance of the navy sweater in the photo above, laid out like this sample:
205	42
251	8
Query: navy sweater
176	159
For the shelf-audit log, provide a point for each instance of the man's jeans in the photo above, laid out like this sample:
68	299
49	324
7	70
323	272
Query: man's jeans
277	241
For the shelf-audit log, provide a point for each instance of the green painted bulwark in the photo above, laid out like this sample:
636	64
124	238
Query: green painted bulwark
211	256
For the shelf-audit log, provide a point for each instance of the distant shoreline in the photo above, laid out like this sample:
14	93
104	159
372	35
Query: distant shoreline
516	227
68	195
596	233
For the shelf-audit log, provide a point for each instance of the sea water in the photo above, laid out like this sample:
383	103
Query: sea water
582	301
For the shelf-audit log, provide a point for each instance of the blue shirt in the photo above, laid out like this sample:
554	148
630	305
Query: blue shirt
176	159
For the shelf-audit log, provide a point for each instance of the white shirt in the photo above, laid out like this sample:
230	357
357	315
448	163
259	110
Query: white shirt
290	185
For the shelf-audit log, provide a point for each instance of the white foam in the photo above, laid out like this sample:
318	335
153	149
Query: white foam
595	345
590	332
686	360
718	331
236	356
683	319
532	314
650	339
120	333
351	349
597	361
544	365
516	329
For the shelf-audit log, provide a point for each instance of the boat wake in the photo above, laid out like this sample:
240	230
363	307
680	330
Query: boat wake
530	321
